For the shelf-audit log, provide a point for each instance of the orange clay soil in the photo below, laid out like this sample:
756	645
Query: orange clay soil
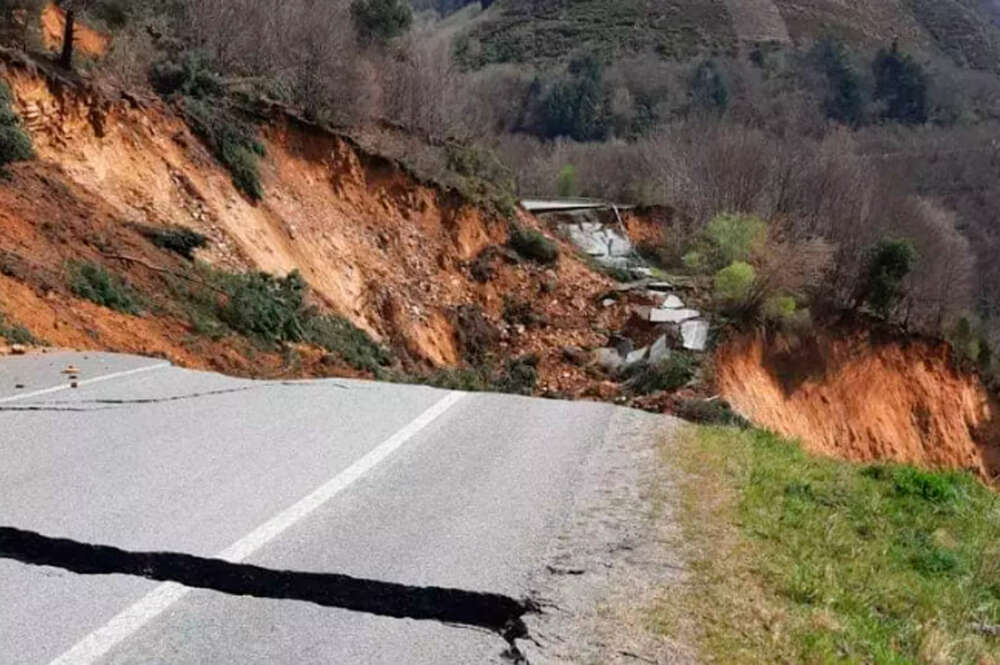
377	246
856	396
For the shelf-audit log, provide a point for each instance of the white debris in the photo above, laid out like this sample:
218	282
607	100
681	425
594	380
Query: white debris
673	315
695	334
672	302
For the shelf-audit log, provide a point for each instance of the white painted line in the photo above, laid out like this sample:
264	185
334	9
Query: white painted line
96	645
87	382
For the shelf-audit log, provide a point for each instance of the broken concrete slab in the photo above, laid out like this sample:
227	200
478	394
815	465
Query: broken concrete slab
660	350
673	315
636	356
672	302
695	334
659	286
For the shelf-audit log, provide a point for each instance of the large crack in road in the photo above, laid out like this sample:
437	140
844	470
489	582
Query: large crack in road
496	613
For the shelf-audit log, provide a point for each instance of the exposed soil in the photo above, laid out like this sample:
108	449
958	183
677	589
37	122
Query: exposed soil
390	253
862	397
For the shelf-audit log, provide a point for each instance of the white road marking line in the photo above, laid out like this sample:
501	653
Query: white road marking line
96	645
86	382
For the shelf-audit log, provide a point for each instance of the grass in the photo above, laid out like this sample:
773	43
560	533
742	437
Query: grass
533	245
800	559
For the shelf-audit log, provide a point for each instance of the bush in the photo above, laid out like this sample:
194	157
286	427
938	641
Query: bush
94	283
15	334
520	376
179	240
477	336
190	77
338	335
668	374
711	412
734	283
266	307
15	144
533	246
232	141
566	182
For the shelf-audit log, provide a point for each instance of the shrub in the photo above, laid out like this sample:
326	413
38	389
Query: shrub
566	182
477	336
734	283
519	377
191	77
15	144
889	262
266	307
380	20
670	373
533	246
338	335
15	334
232	141
94	283
483	178
179	240
711	412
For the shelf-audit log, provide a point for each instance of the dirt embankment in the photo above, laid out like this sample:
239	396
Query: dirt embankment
857	396
392	254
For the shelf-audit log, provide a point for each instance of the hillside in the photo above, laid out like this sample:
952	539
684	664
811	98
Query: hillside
548	31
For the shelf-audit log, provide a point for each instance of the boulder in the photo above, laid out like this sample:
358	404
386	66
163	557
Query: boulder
695	334
672	302
609	360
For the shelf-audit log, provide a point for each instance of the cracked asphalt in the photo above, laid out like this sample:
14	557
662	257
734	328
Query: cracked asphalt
469	506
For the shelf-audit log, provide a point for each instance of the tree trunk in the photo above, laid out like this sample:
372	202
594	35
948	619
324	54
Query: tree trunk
66	60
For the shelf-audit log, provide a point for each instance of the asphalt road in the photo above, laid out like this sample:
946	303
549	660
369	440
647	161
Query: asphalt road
429	501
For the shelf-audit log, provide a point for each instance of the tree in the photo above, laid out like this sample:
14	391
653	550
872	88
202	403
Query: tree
72	8
890	261
380	20
842	101
15	19
708	89
901	85
578	107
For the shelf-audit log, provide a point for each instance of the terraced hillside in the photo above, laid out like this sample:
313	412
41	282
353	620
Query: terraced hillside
543	31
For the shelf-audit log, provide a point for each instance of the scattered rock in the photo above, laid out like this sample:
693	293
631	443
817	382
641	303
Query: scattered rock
609	360
577	356
18	349
636	356
659	286
608	302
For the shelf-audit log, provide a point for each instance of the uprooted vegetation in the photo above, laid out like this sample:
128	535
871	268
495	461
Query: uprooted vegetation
796	558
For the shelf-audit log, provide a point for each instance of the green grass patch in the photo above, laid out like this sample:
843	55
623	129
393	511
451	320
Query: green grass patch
93	282
800	559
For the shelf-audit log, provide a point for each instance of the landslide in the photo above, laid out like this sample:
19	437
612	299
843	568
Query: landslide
852	393
390	253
